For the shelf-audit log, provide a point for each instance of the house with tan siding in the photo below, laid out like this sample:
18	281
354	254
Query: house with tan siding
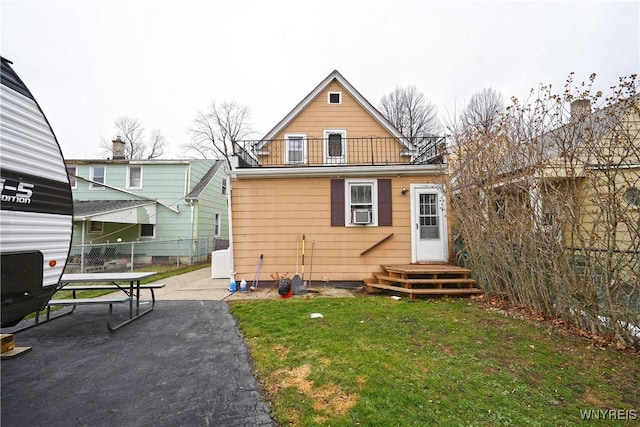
336	178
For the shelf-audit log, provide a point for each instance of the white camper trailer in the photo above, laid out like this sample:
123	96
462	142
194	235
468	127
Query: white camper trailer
36	204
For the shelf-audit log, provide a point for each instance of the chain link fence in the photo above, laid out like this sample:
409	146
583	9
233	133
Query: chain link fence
159	255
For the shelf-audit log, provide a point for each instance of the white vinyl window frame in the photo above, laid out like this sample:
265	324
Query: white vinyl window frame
295	148
72	171
98	177
134	182
330	156
351	205
332	95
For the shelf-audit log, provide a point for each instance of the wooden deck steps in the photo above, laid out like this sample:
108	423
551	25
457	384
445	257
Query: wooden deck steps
422	279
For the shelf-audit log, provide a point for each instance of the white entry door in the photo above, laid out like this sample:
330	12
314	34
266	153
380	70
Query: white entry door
429	223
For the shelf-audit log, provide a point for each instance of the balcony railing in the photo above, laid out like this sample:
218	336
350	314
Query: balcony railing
366	151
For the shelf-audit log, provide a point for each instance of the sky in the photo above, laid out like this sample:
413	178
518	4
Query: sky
90	62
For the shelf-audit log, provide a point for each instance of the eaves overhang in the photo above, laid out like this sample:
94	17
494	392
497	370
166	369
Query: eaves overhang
395	170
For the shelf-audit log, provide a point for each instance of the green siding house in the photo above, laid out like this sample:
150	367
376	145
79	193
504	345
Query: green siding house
130	212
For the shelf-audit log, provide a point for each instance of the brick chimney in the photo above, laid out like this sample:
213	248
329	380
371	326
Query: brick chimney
118	148
580	108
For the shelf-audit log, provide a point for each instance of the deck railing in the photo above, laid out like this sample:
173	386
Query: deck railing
301	151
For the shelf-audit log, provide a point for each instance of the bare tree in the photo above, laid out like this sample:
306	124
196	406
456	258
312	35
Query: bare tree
547	207
132	132
483	111
410	112
219	129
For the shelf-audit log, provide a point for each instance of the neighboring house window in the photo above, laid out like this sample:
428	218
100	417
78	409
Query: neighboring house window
134	177
295	148
335	97
216	225
632	196
147	230
224	185
353	202
72	171
98	176
335	146
95	227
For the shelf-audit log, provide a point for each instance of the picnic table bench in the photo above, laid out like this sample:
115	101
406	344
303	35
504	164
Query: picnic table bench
85	301
126	282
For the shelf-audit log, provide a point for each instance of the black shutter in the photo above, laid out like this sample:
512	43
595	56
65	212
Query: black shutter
384	202
337	202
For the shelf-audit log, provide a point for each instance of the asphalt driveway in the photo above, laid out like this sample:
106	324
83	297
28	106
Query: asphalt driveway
184	364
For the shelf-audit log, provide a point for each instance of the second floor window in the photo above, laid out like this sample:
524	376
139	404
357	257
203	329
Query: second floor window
134	177
98	176
334	146
295	148
72	171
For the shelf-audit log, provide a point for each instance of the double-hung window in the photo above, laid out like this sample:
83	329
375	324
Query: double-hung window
134	177
98	177
360	202
335	149
295	148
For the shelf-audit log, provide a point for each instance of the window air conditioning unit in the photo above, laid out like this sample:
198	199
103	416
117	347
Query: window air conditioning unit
362	216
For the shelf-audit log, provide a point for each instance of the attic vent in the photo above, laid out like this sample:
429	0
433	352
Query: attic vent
335	98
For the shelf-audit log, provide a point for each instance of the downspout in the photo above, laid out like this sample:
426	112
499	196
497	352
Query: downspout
230	175
193	244
190	203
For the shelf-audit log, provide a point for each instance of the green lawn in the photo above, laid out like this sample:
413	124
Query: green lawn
374	361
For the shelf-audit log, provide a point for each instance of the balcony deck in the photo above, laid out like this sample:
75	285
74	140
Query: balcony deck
364	151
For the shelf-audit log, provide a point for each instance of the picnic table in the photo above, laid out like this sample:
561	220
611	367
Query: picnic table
126	282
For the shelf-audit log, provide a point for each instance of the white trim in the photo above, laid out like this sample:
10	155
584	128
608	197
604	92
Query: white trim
334	160
128	183
347	201
295	136
334	92
337	171
439	188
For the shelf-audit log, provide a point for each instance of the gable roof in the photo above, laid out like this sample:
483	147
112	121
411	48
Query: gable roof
324	84
200	186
